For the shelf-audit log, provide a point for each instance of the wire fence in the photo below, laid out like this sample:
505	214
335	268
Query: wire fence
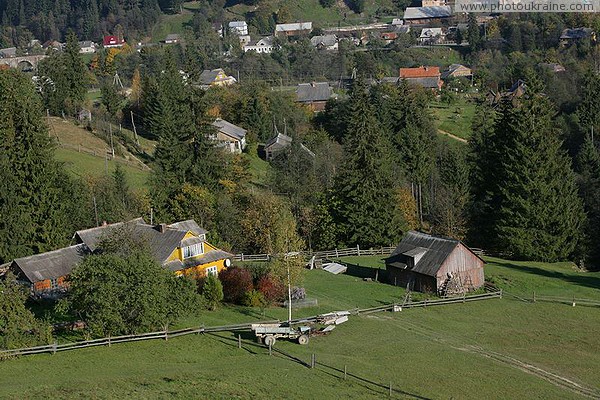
169	334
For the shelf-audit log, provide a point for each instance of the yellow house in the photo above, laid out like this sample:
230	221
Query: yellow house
180	247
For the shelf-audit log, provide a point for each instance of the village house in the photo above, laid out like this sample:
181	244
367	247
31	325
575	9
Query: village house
428	263
576	34
425	15
388	37
229	136
280	142
430	36
87	47
262	46
457	71
52	45
314	95
9	52
215	77
172	38
112	41
426	77
239	28
324	42
46	273
245	40
295	29
180	247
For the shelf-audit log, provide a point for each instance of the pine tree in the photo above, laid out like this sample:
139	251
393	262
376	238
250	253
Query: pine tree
365	186
537	214
75	71
37	199
588	169
473	34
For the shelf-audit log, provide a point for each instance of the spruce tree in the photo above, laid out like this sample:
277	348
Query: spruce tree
538	214
364	189
473	34
588	171
38	208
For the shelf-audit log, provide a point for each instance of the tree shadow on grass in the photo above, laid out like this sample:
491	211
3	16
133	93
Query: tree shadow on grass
232	340
586	281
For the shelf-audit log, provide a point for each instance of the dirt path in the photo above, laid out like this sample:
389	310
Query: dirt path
452	136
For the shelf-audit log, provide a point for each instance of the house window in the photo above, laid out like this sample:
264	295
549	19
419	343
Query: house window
193	250
53	284
211	270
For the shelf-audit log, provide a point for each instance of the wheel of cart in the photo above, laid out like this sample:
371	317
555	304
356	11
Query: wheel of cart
269	340
303	339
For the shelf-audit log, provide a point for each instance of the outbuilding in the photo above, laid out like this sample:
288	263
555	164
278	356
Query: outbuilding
428	263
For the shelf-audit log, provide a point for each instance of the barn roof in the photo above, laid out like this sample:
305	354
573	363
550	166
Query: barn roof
51	265
429	252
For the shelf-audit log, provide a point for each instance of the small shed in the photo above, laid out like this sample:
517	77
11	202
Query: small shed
428	263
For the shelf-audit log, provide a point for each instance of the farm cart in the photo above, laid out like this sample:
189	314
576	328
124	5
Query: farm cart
269	333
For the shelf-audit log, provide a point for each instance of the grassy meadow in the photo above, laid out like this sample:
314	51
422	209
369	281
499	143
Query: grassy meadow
424	353
456	118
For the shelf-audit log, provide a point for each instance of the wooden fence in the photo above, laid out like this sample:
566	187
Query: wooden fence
336	253
167	334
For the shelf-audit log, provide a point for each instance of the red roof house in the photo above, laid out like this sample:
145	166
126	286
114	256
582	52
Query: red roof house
112	41
427	77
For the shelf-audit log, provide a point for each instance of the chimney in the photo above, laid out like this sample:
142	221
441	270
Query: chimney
162	228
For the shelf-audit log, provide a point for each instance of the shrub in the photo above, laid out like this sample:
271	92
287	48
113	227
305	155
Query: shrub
258	270
212	291
236	282
271	288
254	298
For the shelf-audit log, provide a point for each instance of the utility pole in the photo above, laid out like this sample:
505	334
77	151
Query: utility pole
112	147
96	211
135	136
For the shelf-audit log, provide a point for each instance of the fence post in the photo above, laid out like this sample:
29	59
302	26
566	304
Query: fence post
312	360
270	348
573	300
534	296
500	293
166	333
390	389
108	340
242	257
357	250
54	347
337	255
377	275
239	341
345	371
425	303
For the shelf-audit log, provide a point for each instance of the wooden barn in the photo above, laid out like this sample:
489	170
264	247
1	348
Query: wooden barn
427	263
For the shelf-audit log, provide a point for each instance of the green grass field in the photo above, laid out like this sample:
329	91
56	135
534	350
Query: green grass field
456	118
82	164
424	353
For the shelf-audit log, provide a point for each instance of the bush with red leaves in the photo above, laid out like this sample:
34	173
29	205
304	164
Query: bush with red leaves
236	282
271	288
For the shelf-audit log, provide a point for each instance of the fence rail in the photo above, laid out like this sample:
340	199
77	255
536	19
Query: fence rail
336	253
166	334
